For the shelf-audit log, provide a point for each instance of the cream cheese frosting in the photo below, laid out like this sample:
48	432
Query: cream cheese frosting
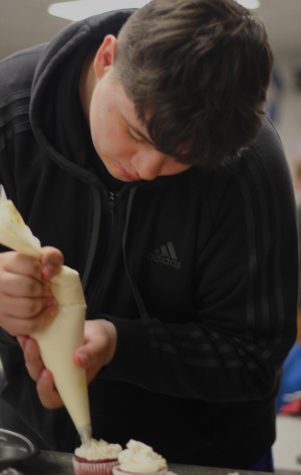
98	450
60	338
140	458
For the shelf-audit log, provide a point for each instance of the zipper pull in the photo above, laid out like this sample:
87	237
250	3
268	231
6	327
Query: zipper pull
112	201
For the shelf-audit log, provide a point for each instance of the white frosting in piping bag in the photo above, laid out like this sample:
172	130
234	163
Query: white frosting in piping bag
59	339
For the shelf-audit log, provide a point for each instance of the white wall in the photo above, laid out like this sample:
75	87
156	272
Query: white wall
289	124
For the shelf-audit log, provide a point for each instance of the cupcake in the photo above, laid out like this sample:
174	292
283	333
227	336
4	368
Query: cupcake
139	459
96	457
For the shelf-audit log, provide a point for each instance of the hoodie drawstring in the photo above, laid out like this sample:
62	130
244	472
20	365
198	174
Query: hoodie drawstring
94	235
140	304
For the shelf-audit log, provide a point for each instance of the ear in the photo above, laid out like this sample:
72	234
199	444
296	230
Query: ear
105	55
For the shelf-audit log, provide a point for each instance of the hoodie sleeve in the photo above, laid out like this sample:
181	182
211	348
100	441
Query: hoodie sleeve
246	296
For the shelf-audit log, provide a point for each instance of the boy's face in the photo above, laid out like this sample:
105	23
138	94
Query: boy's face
121	141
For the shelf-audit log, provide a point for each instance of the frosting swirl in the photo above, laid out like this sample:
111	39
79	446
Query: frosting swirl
98	450
139	457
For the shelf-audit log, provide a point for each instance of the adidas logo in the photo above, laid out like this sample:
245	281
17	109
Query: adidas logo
165	254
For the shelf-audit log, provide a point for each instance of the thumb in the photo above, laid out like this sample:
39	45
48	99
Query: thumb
90	355
51	261
99	346
82	359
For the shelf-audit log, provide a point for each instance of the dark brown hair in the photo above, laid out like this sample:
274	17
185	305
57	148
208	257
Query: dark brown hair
197	72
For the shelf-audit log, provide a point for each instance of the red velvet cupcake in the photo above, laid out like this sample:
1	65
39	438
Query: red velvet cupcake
95	458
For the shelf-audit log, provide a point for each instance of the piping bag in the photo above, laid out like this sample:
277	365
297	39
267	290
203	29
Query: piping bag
70	381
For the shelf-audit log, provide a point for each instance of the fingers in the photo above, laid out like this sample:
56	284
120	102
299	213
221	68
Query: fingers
99	347
26	301
51	261
17	263
46	390
33	361
22	340
23	285
27	305
16	326
24	307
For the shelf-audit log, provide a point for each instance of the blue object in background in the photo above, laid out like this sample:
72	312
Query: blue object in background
290	387
274	95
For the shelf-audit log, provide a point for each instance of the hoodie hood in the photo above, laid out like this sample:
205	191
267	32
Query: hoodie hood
55	111
62	131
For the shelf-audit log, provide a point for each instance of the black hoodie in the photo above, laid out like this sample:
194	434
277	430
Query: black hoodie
198	271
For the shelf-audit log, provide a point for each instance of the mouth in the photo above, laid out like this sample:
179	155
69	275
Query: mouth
126	175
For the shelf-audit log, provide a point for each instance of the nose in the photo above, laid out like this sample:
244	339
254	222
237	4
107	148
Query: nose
148	164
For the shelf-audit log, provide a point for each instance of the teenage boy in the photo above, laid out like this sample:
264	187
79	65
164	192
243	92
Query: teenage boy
135	144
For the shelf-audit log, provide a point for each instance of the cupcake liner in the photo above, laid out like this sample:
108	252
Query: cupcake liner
93	468
117	471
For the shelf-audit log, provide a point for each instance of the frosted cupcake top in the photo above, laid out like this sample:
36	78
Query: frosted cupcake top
98	450
139	457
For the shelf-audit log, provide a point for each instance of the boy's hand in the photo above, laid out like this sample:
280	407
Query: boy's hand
99	347
97	351
26	302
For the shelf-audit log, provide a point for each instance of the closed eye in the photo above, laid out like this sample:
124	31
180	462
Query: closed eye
135	137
